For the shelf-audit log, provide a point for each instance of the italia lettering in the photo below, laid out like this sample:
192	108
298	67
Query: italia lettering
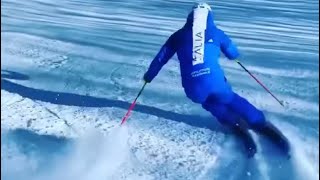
197	51
198	33
198	47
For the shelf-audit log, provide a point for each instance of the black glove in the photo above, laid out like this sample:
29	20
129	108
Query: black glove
146	78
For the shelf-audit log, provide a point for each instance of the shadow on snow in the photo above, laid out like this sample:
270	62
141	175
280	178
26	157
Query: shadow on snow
71	99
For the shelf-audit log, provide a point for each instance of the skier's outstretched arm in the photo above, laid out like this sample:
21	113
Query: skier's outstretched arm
163	56
228	48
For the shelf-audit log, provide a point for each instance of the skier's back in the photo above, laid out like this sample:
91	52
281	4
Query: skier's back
198	45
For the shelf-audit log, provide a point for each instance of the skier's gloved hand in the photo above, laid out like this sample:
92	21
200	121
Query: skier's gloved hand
146	78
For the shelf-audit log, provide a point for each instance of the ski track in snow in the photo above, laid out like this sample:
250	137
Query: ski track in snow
70	70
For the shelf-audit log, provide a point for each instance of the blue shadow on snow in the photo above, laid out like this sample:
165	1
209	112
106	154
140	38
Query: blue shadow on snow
70	99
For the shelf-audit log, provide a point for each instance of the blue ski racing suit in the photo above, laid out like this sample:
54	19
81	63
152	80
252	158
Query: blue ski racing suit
198	45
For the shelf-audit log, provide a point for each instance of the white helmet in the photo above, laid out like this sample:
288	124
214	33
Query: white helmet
202	6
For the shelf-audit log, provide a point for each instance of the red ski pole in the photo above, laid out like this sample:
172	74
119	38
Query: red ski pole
124	119
260	83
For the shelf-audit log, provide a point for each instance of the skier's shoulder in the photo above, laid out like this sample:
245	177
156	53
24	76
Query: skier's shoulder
175	37
178	33
219	32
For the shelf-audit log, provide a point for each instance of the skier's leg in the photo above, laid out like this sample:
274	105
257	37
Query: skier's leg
230	119
256	120
253	116
220	111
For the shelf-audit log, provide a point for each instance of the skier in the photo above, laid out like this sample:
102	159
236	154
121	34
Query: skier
198	44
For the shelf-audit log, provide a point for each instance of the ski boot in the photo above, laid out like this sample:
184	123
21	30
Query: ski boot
274	134
241	130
